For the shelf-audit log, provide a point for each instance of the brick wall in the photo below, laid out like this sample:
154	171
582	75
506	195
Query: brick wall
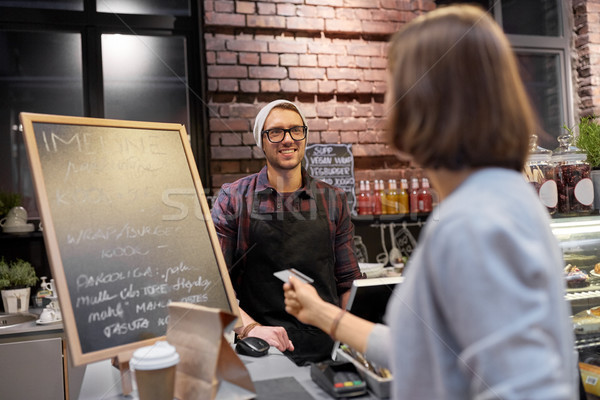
586	61
328	56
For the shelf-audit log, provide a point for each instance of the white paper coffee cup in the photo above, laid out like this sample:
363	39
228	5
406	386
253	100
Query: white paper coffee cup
154	368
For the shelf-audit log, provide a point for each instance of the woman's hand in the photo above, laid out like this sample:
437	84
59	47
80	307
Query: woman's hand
302	301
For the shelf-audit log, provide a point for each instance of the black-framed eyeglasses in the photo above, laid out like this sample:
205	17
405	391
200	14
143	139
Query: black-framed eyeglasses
277	135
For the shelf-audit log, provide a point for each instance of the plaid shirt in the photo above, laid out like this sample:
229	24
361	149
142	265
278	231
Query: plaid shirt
231	216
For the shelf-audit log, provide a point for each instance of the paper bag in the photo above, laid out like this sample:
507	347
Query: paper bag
207	363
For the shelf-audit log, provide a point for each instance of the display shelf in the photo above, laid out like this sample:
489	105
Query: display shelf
592	292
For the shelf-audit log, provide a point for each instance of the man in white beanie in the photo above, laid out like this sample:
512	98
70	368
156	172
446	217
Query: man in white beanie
282	218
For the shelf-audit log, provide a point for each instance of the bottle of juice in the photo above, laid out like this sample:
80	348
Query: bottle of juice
425	198
369	197
376	198
403	206
414	196
364	201
392	198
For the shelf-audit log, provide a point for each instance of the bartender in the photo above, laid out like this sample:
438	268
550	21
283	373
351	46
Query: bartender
282	218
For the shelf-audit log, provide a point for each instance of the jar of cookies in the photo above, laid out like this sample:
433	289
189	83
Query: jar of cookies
539	171
572	174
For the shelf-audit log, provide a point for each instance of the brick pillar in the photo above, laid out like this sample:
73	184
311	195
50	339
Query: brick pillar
587	61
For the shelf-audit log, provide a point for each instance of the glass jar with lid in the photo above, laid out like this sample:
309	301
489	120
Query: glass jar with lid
572	174
539	171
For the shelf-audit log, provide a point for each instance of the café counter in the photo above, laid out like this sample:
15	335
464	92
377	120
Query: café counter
36	370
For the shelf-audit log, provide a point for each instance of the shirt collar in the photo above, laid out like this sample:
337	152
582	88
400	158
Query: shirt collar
263	185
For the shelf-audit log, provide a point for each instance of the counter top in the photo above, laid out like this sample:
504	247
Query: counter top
102	380
31	327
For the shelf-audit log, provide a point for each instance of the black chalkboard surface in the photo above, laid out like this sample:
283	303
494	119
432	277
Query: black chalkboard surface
334	164
127	229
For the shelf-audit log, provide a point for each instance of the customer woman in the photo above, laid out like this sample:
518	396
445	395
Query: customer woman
481	312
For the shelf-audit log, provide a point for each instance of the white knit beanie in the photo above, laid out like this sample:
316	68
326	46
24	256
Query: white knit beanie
259	123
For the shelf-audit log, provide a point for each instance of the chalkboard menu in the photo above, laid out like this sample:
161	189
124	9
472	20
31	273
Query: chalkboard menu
127	229
334	164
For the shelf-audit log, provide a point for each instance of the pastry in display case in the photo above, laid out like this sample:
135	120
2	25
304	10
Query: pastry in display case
579	239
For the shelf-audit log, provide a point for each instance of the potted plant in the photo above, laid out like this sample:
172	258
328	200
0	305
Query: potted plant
16	280
588	140
8	200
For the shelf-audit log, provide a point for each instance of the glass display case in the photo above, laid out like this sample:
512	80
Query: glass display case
579	239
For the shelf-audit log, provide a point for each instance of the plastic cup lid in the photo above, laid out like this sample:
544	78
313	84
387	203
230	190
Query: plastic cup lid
160	355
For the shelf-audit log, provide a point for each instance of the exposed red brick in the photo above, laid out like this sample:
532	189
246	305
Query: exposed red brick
228	125
223	6
238	110
326	110
211	57
348	137
231	139
249	58
371	49
212	85
230	152
227	71
249	86
344	26
289	60
307	60
270	86
213	43
305	24
286	9
289	86
306	73
344	73
375	74
318	124
332	3
269	59
361	3
246	45
245	7
309	86
220	19
327	86
330	137
344	86
266	21
226	57
266	8
287	46
228	85
326	60
326	48
267	72
378	62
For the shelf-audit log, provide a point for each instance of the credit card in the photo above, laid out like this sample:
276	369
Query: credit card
284	275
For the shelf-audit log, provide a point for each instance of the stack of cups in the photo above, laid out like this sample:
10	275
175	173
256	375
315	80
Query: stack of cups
154	368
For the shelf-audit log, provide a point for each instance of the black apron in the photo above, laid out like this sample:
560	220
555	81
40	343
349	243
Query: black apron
282	240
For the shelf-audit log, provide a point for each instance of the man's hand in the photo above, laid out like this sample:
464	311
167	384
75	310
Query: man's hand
276	336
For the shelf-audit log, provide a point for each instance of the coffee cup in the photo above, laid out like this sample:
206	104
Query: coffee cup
16	216
48	315
154	368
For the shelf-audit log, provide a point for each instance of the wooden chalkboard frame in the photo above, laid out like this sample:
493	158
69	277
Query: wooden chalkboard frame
28	120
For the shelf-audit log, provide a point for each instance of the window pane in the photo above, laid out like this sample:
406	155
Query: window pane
145	78
153	7
540	72
531	17
76	5
39	72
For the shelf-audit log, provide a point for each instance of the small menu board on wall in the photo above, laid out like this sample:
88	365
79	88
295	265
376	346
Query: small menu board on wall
127	229
334	164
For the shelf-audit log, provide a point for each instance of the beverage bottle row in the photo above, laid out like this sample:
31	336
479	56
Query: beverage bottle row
379	199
